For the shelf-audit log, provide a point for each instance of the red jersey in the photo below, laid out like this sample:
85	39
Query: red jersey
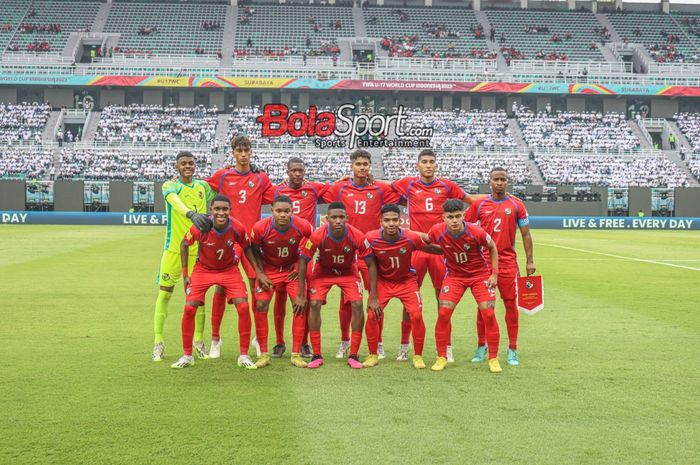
362	203
279	248
500	219
335	257
215	251
394	258
463	255
246	191
425	201
304	199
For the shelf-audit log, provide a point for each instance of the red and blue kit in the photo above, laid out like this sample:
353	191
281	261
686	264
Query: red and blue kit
305	199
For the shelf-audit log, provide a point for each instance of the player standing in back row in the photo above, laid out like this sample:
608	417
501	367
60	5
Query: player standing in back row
501	214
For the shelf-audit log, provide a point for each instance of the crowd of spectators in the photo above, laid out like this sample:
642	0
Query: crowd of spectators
694	166
22	121
471	168
689	124
120	165
322	165
25	163
576	130
463	127
600	170
155	123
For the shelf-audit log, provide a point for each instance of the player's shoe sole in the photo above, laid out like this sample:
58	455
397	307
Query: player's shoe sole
494	366
371	361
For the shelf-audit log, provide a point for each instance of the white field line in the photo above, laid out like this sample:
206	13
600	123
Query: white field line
621	257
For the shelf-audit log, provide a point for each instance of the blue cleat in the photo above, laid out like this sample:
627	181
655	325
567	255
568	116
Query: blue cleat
480	353
513	357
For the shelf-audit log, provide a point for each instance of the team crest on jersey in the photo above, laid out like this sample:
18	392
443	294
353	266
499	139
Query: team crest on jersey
312	291
292	241
528	284
187	291
437	190
403	251
229	244
166	277
304	193
251	184
369	195
258	290
466	246
507	211
446	289
346	249
201	194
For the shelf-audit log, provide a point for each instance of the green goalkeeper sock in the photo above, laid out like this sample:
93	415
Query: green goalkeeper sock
161	314
199	319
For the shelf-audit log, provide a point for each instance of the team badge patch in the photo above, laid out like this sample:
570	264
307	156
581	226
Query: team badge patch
258	290
251	184
402	250
312	291
369	195
304	194
346	249
309	245
201	195
466	246
446	289
229	244
292	241
165	276
437	190
508	211
187	291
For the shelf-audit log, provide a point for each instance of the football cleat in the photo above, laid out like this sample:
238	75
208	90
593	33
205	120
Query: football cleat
343	349
158	352
278	350
215	349
316	362
513	357
480	353
450	356
184	362
298	361
371	361
418	362
256	346
306	351
402	355
354	363
246	362
440	364
263	360
380	351
494	366
200	350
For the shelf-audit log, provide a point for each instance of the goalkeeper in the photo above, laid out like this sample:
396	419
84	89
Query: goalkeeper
186	202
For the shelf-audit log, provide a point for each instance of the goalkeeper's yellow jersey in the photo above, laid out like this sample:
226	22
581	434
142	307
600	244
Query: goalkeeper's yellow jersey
195	196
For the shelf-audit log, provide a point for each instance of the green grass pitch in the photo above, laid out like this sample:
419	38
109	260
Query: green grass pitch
610	369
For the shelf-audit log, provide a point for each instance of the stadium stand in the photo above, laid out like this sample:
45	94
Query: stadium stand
30	163
22	121
274	31
577	130
659	33
124	165
470	168
12	13
167	28
427	32
47	25
689	123
694	166
602	170
547	35
154	123
321	165
463	128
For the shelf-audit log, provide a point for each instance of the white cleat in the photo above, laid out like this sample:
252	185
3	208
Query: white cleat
246	362
402	356
380	351
158	352
343	349
215	349
450	356
184	362
200	350
256	346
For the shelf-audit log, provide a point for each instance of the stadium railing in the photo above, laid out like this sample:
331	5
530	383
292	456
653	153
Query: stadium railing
456	64
568	67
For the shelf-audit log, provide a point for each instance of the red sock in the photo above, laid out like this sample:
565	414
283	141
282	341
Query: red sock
188	329
305	341
345	315
492	332
406	331
298	331
449	333
418	327
280	314
381	328
218	306
355	341
315	337
480	329
372	330
244	326
441	328
261	329
512	317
